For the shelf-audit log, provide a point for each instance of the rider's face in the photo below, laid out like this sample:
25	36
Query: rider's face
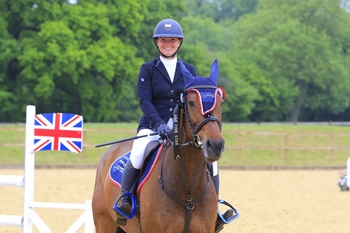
168	45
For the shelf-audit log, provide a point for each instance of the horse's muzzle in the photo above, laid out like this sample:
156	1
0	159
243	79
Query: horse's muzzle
213	149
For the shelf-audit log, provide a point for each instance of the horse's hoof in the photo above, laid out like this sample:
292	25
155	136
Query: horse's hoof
219	223
121	221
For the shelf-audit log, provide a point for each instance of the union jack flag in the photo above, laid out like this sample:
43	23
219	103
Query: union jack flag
58	131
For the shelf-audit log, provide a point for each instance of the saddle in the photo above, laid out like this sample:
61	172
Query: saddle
152	152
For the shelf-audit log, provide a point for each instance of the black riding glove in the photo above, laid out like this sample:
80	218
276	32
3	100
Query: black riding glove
164	131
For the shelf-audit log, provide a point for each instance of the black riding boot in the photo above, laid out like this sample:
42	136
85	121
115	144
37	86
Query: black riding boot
129	178
219	225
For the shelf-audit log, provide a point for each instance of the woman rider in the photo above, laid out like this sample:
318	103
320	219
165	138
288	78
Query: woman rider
157	86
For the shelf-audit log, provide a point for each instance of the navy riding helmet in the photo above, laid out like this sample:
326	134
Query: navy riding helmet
168	28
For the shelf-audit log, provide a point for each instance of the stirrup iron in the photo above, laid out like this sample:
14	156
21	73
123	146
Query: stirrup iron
133	206
230	219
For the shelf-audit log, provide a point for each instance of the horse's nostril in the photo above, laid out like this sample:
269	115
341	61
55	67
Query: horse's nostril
216	145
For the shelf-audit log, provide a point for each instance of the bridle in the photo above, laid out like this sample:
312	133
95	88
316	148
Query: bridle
189	203
194	129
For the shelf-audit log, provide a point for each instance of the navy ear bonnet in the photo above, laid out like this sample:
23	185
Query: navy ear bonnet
192	82
206	88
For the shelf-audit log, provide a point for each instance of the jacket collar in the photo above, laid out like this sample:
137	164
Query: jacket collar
160	66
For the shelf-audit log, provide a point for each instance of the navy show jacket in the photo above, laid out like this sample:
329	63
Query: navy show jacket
157	94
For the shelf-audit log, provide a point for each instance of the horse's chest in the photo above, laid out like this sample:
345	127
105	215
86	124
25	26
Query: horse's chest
171	217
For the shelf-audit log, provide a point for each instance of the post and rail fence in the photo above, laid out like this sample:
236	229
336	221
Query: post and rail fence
242	141
286	146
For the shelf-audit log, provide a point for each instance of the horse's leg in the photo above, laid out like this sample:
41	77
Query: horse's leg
105	224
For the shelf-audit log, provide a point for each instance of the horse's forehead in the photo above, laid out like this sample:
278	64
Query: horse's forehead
200	81
207	98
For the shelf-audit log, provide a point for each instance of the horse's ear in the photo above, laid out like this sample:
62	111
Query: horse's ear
222	92
188	77
215	72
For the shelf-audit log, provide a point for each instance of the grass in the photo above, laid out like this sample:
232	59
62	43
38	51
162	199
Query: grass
246	145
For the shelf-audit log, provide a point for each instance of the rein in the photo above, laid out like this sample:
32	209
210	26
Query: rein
190	203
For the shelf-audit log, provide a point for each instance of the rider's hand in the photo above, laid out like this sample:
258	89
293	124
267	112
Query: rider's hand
164	131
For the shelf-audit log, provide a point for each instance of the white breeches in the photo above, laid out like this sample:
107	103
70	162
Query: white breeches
215	168
137	155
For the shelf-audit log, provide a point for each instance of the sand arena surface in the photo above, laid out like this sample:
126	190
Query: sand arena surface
268	201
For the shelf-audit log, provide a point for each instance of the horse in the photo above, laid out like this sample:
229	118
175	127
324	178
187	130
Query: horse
179	195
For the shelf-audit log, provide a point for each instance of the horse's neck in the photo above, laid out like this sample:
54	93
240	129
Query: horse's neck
188	170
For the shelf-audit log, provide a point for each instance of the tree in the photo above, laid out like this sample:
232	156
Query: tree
302	50
73	58
82	57
221	10
8	50
243	81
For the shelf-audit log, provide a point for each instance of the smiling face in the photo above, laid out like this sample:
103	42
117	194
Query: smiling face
168	46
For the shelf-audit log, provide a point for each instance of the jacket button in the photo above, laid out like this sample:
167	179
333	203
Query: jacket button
171	100
170	109
172	91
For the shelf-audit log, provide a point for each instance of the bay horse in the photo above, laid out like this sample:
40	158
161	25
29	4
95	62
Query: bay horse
179	195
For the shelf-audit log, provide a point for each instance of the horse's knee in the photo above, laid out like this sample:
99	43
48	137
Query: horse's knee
105	224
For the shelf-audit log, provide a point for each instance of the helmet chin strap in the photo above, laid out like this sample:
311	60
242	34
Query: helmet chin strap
172	56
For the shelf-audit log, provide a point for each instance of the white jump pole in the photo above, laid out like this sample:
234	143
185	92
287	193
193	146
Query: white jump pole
29	165
6	180
348	173
11	220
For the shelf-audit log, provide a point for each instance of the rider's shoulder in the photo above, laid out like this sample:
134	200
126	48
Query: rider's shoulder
150	64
